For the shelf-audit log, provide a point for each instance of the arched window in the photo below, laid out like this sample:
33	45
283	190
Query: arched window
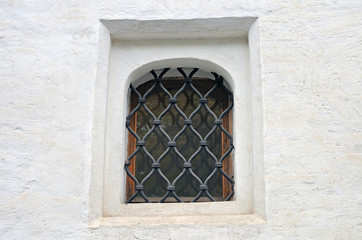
180	139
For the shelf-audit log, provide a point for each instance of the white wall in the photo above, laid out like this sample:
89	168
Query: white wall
311	74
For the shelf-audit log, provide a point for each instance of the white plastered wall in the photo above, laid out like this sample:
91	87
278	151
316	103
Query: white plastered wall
52	52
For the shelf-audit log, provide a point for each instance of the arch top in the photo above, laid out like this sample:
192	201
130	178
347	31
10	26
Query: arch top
206	67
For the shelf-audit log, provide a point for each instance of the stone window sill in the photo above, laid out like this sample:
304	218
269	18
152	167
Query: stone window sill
217	220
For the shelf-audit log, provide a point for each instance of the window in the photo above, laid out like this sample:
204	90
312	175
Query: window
180	139
128	50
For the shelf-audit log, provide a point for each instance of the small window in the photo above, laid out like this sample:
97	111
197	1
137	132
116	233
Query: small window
180	139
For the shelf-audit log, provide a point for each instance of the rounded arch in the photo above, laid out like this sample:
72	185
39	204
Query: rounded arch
140	75
207	115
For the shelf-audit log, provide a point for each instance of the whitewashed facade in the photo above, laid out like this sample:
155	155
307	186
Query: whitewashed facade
304	99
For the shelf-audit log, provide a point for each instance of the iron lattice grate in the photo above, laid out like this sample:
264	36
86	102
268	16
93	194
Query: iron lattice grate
158	123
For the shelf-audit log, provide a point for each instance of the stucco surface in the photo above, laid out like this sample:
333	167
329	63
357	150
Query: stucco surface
311	74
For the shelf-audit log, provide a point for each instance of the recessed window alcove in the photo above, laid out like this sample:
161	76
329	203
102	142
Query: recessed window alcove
129	50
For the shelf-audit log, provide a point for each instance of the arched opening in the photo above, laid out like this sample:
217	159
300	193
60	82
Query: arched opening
180	137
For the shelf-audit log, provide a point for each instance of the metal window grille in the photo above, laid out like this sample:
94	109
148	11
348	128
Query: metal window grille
178	144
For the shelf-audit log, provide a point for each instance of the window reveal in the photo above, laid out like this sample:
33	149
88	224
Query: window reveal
180	141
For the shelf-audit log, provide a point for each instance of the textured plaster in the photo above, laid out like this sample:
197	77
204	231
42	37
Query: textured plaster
311	86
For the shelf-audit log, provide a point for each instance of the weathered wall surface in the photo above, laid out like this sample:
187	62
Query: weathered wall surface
311	70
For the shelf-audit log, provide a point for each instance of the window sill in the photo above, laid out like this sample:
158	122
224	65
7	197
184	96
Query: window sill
140	210
215	219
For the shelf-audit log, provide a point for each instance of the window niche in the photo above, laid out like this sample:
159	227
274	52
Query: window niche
129	49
